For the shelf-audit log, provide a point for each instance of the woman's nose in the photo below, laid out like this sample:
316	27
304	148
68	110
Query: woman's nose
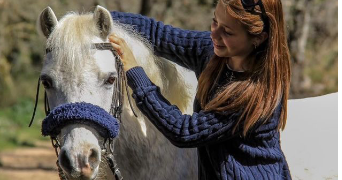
215	34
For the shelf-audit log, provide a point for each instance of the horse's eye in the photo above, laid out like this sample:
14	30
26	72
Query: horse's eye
110	80
46	81
46	84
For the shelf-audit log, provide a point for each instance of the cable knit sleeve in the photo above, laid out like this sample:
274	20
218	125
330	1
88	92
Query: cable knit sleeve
182	130
190	49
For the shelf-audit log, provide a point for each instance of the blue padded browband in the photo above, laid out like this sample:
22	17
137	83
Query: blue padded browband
83	113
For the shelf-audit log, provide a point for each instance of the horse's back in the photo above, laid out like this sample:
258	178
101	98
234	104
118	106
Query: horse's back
309	140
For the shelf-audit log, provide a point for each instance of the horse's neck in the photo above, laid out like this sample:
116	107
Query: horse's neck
142	157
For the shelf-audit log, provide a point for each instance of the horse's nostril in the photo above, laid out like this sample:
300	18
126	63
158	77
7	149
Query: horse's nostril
90	163
83	165
94	157
65	161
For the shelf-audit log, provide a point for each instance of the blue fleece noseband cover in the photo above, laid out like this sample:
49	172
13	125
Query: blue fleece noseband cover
83	113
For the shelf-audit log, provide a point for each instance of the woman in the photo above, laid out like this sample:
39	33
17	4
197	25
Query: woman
243	70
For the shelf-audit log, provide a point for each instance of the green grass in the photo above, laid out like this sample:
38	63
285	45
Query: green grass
14	120
16	111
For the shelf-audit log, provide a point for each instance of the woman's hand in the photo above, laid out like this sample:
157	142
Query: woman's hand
123	51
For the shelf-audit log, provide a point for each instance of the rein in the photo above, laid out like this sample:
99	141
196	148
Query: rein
107	151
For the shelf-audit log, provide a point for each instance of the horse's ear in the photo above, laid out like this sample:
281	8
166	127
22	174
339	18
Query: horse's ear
46	21
104	21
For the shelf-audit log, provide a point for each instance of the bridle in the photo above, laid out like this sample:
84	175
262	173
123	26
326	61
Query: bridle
107	149
120	83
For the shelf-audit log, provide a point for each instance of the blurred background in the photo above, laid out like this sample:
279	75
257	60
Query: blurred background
312	36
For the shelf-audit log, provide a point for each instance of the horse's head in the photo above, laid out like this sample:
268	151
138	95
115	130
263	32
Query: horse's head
79	83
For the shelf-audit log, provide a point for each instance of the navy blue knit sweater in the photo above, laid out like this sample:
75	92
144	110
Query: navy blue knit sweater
221	155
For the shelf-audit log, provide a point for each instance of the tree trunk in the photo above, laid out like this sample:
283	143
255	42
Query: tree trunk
298	36
146	6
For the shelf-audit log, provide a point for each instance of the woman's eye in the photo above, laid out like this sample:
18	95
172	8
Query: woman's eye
110	80
228	33
214	21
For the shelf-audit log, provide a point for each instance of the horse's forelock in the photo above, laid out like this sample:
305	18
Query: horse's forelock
71	40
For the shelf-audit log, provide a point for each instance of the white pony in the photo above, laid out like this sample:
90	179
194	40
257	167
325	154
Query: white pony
75	72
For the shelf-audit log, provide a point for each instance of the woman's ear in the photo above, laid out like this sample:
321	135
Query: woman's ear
259	39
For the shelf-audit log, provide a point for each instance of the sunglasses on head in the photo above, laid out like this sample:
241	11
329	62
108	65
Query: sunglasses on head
249	5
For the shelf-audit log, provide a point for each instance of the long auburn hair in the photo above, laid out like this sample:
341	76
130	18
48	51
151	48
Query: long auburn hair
268	79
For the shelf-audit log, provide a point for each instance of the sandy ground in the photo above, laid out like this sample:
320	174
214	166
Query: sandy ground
28	163
27	174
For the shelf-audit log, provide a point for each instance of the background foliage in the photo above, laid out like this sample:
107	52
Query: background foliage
312	36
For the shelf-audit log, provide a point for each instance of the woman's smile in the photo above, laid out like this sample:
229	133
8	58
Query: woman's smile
217	46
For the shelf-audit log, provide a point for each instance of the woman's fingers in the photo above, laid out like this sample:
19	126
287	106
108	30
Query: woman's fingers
118	49
115	39
118	44
123	51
